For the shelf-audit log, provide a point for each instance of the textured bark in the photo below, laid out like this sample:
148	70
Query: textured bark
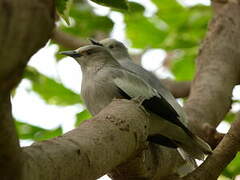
114	140
113	137
25	26
68	41
221	157
218	71
10	153
156	162
178	89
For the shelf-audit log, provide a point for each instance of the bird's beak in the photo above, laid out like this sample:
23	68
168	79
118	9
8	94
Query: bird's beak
71	53
94	42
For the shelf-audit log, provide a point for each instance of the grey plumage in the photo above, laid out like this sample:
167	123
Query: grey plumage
120	53
104	79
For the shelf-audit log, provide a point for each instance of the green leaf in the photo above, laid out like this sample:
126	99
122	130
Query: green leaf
50	90
187	27
235	101
233	168
63	8
171	11
119	4
28	131
230	117
167	29
87	24
144	32
82	116
183	67
61	5
135	7
223	178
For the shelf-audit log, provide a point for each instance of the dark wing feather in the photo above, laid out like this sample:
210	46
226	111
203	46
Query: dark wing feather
156	138
162	108
132	87
123	94
162	140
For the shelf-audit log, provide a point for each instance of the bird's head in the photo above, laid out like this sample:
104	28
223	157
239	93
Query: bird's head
90	55
116	48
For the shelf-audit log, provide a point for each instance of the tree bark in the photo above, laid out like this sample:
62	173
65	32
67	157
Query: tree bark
67	40
25	26
110	139
178	89
115	140
218	71
10	153
221	157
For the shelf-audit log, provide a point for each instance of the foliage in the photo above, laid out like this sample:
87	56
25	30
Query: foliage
120	4
83	115
28	131
233	169
175	28
183	67
87	24
230	117
50	90
63	8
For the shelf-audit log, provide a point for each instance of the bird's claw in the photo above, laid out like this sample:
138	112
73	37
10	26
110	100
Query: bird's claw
139	100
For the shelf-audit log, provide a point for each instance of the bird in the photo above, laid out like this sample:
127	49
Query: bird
105	79
120	52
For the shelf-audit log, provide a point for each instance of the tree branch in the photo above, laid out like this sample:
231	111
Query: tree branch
25	27
113	137
67	40
218	71
34	21
221	157
178	89
10	152
117	135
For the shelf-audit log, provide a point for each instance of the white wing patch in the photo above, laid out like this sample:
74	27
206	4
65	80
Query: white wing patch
134	86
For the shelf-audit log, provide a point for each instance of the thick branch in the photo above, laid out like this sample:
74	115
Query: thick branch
10	153
218	71
178	89
221	157
212	167
25	27
117	134
67	40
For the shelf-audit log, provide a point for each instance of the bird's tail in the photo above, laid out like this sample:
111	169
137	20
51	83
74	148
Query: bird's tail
197	148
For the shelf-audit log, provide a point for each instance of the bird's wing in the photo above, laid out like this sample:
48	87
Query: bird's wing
132	86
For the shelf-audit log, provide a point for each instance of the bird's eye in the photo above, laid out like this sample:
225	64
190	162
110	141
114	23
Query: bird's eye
111	46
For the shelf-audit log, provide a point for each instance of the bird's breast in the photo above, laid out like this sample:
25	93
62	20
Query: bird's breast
97	94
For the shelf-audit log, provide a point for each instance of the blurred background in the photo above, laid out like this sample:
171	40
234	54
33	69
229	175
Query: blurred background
163	36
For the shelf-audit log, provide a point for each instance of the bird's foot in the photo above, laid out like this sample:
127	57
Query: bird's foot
139	100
